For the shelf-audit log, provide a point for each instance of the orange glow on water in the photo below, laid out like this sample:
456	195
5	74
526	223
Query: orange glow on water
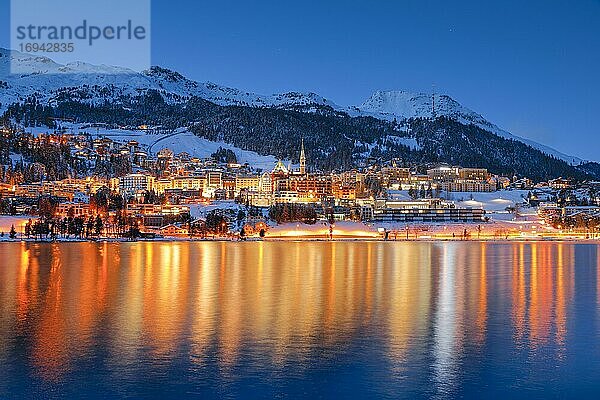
483	293
289	296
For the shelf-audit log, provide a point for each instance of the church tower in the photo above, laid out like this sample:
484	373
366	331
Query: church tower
302	159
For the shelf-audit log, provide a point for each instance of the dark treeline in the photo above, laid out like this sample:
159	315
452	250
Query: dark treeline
224	155
282	213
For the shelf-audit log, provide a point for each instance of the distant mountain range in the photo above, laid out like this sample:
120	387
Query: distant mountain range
117	95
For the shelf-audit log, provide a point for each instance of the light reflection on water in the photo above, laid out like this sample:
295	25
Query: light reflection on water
304	319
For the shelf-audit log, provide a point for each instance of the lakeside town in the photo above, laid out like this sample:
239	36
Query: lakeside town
152	192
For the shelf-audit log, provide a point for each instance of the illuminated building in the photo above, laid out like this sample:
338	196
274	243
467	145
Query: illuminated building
134	183
424	210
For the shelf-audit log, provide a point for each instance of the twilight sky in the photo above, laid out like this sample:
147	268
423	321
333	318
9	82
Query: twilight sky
531	67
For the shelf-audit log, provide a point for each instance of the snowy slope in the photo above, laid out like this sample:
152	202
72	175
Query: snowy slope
185	141
179	141
489	201
95	84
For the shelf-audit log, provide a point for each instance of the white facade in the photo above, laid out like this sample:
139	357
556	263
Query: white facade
133	183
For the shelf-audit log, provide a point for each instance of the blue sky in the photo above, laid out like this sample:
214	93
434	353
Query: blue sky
531	67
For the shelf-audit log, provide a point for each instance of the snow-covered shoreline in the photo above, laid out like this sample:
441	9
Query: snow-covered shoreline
510	239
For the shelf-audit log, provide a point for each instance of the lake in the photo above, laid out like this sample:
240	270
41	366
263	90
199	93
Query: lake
299	320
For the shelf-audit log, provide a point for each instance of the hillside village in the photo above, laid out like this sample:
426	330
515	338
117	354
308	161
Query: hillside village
125	184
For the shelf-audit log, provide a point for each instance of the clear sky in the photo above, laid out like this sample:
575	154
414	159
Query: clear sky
532	67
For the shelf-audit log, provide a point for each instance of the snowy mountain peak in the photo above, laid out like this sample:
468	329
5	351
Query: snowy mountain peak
300	99
398	103
403	104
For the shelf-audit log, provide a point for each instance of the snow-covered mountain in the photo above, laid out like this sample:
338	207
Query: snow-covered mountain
400	104
50	81
91	83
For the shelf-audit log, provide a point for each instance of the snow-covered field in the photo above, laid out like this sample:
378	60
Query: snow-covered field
200	210
492	201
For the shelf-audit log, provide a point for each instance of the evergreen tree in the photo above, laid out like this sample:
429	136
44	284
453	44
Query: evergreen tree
13	232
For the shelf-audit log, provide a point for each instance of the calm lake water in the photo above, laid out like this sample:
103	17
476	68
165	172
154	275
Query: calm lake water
294	320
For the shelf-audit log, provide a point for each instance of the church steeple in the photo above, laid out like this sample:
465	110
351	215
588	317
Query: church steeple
302	159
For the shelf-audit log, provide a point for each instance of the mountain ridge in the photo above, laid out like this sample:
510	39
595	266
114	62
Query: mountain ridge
51	82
